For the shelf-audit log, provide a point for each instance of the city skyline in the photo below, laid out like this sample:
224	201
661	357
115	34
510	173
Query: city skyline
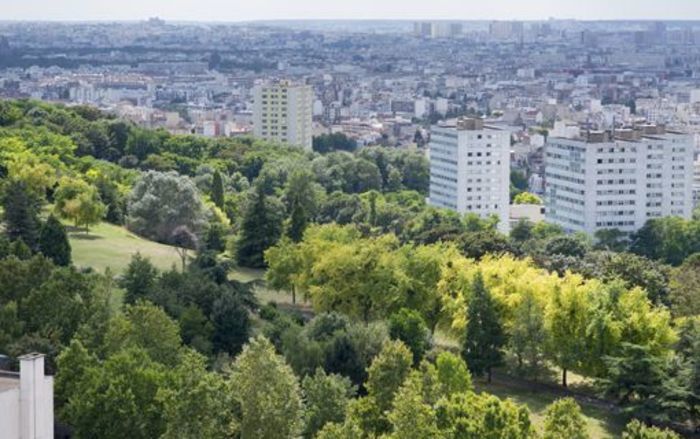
221	10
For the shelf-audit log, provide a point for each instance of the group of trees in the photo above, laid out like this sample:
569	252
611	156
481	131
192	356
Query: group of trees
500	306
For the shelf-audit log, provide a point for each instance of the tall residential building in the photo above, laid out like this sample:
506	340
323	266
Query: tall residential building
470	169
617	179
283	112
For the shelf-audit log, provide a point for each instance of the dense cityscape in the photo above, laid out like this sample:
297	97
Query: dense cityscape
345	229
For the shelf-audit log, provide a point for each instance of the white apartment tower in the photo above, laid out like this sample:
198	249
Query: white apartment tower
617	179
470	169
283	112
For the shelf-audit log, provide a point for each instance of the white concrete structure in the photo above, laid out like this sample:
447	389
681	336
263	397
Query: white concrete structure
617	180
26	401
470	169
283	112
533	213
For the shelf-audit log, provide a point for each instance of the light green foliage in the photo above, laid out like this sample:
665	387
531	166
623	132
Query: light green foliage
197	403
387	372
563	420
147	327
79	202
527	198
637	430
452	374
411	417
326	398
268	393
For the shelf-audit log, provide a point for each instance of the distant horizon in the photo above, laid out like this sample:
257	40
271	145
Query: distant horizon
236	11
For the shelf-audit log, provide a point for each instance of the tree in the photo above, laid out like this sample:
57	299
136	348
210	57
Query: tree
53	242
637	430
184	240
231	323
267	391
284	266
139	279
112	399
149	329
452	374
260	229
217	190
611	239
528	335
78	201
161	202
527	198
563	420
197	405
408	326
387	372
326	398
484	338
21	213
684	287
411	417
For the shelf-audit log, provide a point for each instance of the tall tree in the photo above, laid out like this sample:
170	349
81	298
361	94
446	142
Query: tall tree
21	213
387	372
139	278
484	338
53	242
267	391
261	227
326	397
217	190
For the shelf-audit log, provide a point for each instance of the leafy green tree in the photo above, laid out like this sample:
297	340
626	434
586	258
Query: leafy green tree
78	201
197	404
267	391
139	278
611	239
484	338
148	328
637	430
113	399
483	242
684	287
326	398
563	420
21	213
527	198
217	190
527	335
53	242
408	326
387	373
161	202
452	374
284	261
411	417
260	229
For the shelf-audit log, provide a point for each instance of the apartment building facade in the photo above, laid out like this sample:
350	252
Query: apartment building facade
470	169
283	112
618	179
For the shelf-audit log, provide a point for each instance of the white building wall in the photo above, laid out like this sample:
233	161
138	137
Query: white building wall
283	112
618	184
9	414
470	172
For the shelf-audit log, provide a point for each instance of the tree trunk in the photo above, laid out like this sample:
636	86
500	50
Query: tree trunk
563	378
294	296
488	374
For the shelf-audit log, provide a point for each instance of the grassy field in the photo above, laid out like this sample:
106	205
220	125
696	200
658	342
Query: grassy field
107	245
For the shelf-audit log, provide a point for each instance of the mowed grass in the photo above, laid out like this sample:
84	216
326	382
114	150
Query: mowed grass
107	245
601	423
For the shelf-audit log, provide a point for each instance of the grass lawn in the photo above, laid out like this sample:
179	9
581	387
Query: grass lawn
601	423
107	245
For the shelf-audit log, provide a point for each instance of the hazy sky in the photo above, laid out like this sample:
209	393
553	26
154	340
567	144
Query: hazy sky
243	10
